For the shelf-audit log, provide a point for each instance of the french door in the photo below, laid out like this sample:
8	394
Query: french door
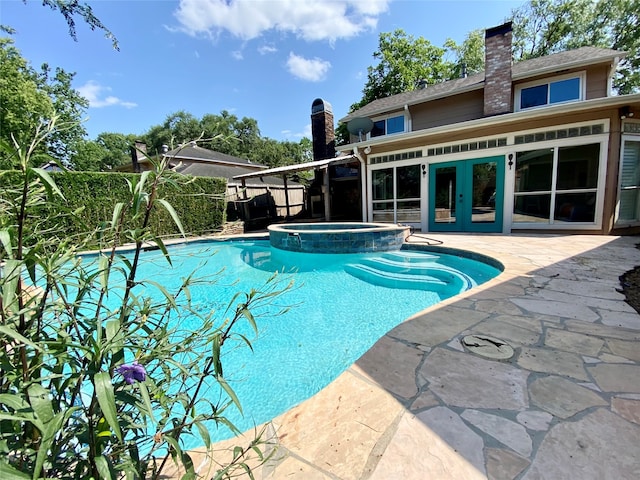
466	195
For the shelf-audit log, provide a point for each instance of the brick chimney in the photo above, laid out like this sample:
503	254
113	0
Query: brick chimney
497	70
322	130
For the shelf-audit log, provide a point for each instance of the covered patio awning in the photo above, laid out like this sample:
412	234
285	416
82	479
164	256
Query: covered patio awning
315	165
297	167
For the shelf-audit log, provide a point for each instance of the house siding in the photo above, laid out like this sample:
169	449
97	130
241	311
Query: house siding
445	111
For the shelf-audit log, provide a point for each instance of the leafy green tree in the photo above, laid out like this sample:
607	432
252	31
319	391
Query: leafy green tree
274	153
24	104
468	57
30	98
403	62
70	9
69	106
88	156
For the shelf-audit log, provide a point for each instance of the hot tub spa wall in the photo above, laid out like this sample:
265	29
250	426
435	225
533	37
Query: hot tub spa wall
352	240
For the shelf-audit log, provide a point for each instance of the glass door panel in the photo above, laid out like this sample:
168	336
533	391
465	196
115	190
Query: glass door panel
445	183
483	207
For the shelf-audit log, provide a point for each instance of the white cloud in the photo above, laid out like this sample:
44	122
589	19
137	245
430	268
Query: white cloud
312	70
311	20
237	54
265	49
96	94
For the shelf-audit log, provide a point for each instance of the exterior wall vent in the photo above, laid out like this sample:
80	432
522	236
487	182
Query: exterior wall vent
572	132
394	157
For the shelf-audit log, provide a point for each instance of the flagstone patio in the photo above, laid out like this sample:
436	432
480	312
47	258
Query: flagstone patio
420	405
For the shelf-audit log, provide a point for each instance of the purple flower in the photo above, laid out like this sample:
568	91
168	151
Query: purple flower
133	372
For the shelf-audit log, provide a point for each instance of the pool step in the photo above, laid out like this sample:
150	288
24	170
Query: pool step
407	256
432	279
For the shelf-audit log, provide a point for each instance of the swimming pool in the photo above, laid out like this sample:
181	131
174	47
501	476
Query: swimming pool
341	305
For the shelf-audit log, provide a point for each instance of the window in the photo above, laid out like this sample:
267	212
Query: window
560	90
396	194
629	194
557	185
388	126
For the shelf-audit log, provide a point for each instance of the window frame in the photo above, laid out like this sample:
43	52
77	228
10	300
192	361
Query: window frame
581	76
386	119
553	223
617	222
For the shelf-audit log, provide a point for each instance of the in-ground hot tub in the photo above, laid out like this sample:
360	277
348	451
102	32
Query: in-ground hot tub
340	237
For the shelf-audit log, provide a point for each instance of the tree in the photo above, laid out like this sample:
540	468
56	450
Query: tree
70	9
403	61
225	133
70	107
30	99
24	104
104	154
468	57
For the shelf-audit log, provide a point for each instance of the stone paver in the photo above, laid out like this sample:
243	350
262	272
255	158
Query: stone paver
562	397
419	406
465	380
617	378
599	446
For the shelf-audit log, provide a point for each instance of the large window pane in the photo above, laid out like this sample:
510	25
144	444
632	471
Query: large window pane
378	129
408	182
564	90
409	211
533	96
575	207
383	212
395	125
532	208
534	170
578	167
445	195
629	206
483	209
383	184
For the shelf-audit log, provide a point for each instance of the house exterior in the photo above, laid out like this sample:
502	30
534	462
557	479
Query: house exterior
257	202
539	145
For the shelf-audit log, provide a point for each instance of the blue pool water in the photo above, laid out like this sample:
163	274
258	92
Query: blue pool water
341	304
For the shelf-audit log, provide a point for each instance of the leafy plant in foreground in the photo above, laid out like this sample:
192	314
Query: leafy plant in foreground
98	378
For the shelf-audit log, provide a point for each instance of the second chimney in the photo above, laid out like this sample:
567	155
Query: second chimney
497	70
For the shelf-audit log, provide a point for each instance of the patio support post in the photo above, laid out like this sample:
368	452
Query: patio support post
245	203
326	194
286	196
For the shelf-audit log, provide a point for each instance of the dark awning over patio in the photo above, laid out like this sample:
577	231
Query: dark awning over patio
317	164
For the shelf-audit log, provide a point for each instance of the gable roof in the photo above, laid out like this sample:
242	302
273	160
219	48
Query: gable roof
201	169
198	154
579	57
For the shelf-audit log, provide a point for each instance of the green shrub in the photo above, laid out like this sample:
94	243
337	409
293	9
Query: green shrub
88	199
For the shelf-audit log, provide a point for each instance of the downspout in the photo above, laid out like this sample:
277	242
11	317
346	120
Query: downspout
614	67
409	119
363	183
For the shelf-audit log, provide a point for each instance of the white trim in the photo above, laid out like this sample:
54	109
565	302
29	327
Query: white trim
581	76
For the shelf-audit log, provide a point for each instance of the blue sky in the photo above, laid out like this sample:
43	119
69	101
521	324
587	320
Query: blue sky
262	59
